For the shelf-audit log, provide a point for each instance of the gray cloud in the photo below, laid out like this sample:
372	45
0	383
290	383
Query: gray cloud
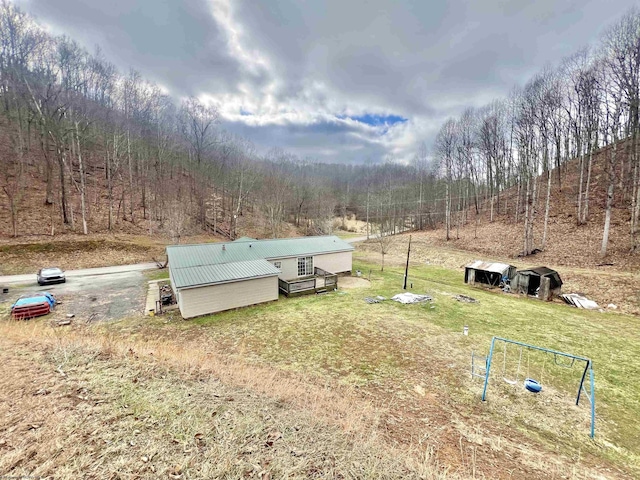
296	64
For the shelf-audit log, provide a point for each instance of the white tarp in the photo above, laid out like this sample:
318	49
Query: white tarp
409	297
579	301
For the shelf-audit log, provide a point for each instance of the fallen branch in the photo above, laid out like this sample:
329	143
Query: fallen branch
160	264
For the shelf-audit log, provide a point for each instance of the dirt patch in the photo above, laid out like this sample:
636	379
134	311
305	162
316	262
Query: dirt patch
353	282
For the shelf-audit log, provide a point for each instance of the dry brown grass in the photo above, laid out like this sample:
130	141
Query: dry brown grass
76	405
71	251
350	224
74	398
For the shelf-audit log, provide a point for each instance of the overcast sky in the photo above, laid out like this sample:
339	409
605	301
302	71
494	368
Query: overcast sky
337	80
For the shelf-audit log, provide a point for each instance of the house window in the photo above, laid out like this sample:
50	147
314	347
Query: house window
278	265
305	266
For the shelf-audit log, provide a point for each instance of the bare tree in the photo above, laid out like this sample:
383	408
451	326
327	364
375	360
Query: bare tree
198	124
445	148
383	231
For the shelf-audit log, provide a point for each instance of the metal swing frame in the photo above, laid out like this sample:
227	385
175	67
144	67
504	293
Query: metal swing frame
590	394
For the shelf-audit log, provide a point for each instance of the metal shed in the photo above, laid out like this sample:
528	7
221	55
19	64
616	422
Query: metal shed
541	282
488	273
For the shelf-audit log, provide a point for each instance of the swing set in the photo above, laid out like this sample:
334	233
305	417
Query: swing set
481	367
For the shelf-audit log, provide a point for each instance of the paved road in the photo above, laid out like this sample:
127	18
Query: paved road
350	240
73	274
120	269
364	237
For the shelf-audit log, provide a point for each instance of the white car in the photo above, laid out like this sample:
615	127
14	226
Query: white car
50	275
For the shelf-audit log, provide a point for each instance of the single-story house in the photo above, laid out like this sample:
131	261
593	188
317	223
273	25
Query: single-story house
488	273
541	282
212	277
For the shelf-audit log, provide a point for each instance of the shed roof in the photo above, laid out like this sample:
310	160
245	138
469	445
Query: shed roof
542	271
222	273
182	256
490	266
556	281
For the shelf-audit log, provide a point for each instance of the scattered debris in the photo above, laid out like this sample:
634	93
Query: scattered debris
166	294
409	297
376	299
612	306
579	301
533	252
71	315
465	299
62	323
419	389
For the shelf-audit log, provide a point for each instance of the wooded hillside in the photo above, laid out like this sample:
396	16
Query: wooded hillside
85	148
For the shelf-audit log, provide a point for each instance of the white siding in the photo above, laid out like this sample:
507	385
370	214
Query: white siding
216	298
289	269
333	262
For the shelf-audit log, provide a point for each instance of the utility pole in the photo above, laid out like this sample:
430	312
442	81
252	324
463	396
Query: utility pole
406	269
367	212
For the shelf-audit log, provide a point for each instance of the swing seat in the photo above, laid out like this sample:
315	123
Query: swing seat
509	381
532	385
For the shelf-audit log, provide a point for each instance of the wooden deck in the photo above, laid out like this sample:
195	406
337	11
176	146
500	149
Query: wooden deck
321	281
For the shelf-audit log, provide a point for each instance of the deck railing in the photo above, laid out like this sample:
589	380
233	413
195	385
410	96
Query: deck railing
320	280
330	279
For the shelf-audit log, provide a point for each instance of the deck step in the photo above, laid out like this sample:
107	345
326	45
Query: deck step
321	291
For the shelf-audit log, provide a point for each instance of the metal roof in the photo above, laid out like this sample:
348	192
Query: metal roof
490	266
182	256
222	273
244	239
544	272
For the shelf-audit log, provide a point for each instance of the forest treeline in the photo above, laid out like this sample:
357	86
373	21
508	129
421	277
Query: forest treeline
588	101
113	147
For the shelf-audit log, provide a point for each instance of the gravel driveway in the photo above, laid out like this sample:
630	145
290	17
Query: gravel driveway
107	296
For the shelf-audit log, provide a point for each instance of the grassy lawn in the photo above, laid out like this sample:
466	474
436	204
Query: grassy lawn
399	373
157	274
395	350
347	235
